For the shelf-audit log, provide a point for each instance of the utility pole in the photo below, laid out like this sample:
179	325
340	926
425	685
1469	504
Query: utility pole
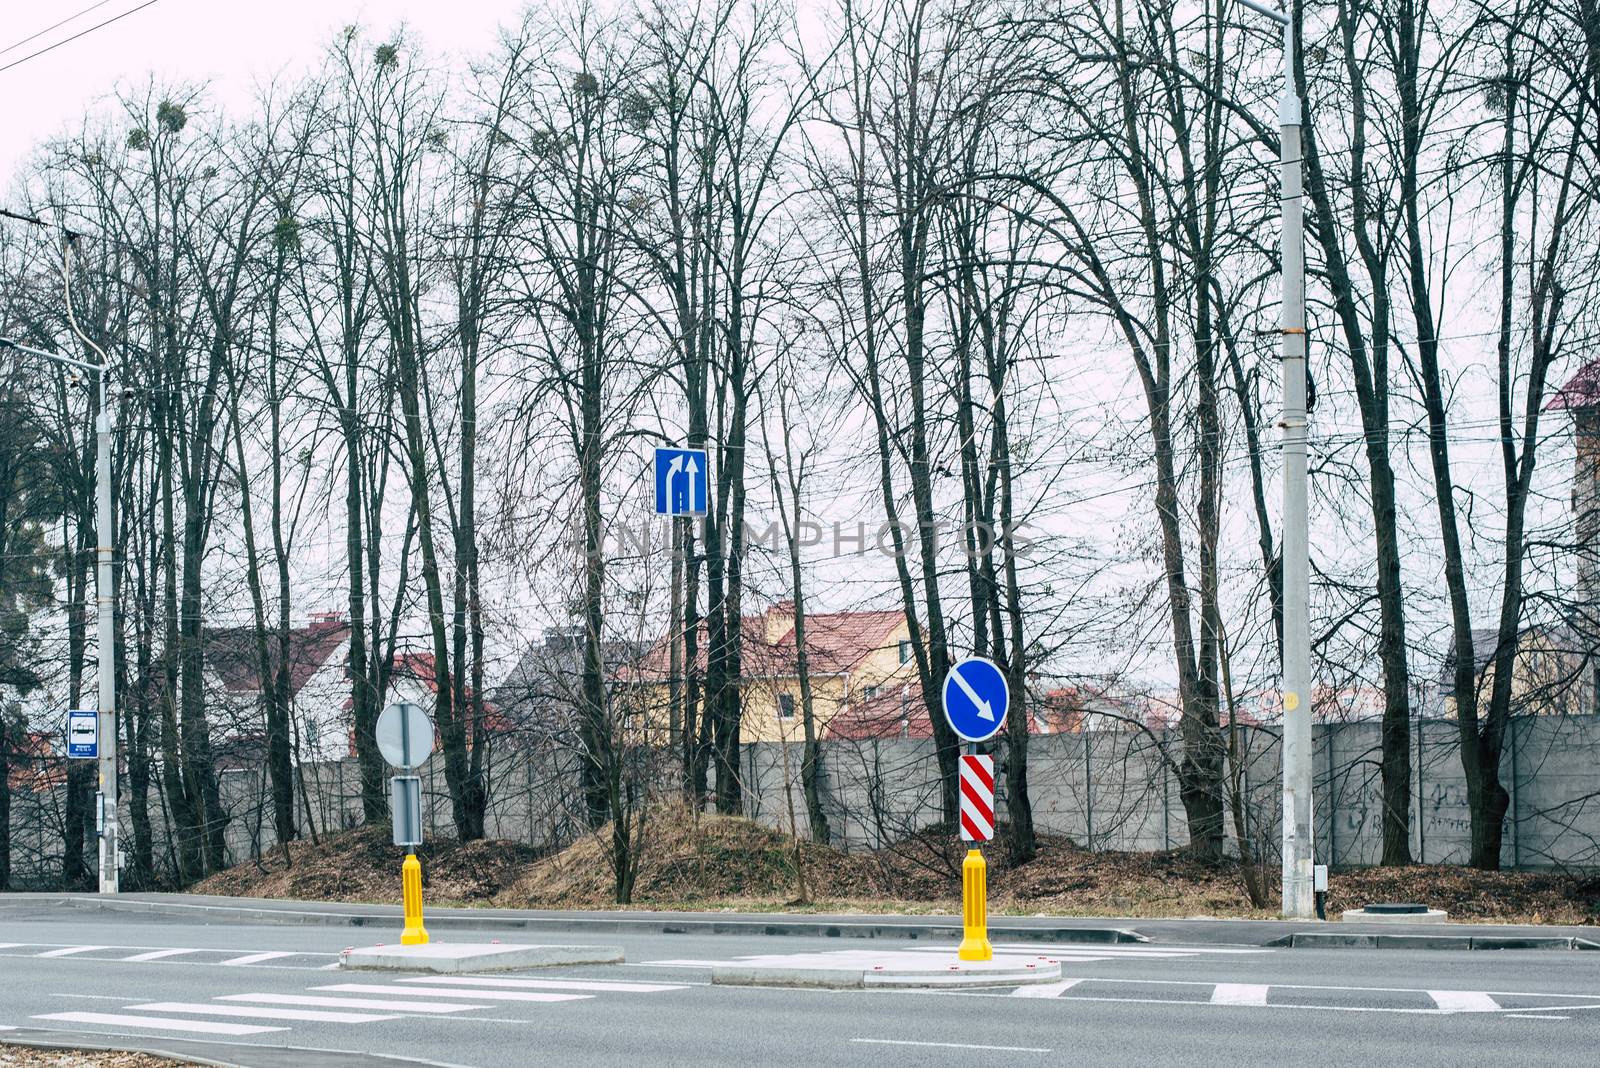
105	653
1298	897
105	809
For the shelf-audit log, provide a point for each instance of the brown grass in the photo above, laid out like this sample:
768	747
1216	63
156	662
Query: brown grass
695	858
28	1057
697	861
364	865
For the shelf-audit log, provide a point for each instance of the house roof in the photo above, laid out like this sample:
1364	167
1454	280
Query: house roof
1581	391
232	653
34	766
836	643
1557	638
897	711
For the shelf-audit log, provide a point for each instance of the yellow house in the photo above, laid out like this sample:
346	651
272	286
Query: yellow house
855	660
1550	673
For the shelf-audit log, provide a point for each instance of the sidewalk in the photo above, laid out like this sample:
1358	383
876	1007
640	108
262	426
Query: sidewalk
1051	929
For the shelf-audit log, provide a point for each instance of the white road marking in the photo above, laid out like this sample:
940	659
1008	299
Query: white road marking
1464	1001
256	958
1533	1016
206	1009
547	984
399	1005
683	963
447	992
1113	949
93	997
1311	986
157	954
950	1045
69	951
1045	990
1239	994
160	1023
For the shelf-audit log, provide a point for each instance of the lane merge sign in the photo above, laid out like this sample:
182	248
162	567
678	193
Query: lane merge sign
977	797
83	734
681	481
976	698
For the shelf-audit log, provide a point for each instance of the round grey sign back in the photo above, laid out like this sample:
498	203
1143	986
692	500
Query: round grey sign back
405	735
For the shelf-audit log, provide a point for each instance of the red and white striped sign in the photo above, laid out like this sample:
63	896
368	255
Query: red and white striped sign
977	798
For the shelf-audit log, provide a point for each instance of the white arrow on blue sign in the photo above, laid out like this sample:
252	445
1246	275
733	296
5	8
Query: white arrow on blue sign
976	698
681	481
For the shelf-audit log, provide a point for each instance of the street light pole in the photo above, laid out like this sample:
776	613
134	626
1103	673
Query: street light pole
1298	896
105	656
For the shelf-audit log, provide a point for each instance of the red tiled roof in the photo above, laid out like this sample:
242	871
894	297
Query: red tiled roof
836	643
34	765
895	712
1581	391
231	652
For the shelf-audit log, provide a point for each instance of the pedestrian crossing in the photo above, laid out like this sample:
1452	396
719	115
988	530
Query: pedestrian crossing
231	958
1301	996
1072	953
250	1013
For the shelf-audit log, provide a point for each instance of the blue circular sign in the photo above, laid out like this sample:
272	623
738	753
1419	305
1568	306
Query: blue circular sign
976	698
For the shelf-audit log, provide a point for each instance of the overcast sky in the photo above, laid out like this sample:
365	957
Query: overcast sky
230	43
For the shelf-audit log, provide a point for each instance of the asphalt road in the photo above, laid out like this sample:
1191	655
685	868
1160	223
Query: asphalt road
266	996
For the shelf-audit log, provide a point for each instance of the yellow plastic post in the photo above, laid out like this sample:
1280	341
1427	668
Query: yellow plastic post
411	890
975	909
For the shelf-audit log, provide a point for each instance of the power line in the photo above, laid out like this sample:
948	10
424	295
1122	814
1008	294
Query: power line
54	25
74	37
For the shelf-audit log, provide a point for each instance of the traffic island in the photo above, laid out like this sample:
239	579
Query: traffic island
857	970
448	958
1394	913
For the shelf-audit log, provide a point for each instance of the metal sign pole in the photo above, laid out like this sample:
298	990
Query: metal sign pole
974	899
394	732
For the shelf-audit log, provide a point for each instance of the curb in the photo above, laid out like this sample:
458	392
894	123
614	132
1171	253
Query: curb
1421	941
88	1042
211	1054
464	921
886	977
438	958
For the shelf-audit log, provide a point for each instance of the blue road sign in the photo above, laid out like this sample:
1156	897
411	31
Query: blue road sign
83	735
976	698
681	481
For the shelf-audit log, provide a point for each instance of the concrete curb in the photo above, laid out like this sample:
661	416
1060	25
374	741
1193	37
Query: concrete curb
446	958
212	1054
1423	941
463	920
89	1042
975	975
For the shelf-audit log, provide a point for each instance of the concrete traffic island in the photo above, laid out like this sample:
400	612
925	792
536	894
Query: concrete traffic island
858	970
1394	913
449	958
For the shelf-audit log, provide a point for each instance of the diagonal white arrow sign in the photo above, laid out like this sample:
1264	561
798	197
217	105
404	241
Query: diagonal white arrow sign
984	709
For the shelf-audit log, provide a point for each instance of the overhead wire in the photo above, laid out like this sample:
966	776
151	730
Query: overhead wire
76	36
54	25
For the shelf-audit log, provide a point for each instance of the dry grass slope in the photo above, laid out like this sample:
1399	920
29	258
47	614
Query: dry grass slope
710	862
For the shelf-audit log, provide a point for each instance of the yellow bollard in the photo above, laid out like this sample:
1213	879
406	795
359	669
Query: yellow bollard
975	909
411	890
